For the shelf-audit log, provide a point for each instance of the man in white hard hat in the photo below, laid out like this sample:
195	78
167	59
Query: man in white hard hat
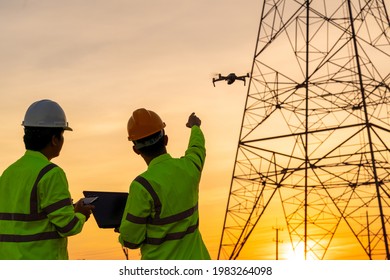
36	210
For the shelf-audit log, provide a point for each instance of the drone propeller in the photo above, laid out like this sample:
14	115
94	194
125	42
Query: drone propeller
214	74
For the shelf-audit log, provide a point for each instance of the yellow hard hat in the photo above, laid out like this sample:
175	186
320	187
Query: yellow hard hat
143	123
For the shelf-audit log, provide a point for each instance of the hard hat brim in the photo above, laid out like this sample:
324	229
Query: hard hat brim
47	126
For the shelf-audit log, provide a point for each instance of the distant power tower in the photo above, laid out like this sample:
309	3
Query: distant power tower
315	133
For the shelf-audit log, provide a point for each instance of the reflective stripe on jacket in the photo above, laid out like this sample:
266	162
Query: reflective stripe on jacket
161	215
36	211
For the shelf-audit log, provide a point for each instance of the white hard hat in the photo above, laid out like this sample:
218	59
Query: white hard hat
45	113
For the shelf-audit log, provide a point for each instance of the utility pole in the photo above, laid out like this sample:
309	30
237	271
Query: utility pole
277	241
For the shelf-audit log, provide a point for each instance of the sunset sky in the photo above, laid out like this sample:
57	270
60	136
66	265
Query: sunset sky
101	60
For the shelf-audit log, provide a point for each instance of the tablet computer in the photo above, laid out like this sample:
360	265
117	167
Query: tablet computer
109	207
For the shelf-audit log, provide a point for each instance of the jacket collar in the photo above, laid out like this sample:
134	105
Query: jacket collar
36	154
159	159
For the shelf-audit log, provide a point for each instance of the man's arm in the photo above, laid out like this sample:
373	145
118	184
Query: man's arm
55	201
196	150
133	225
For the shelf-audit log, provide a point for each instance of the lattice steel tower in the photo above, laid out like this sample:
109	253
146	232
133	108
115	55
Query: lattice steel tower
315	133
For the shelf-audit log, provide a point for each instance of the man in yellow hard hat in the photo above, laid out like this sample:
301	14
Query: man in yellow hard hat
36	210
161	215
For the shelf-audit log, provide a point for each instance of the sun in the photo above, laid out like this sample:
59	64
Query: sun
298	254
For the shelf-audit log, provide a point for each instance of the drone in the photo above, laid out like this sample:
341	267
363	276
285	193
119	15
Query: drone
231	78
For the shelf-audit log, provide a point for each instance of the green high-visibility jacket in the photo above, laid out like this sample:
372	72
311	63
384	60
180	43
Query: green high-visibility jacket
36	210
161	215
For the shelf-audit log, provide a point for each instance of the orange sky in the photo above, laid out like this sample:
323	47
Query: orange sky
103	59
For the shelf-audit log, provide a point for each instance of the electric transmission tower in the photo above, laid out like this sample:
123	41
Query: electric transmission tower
315	132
